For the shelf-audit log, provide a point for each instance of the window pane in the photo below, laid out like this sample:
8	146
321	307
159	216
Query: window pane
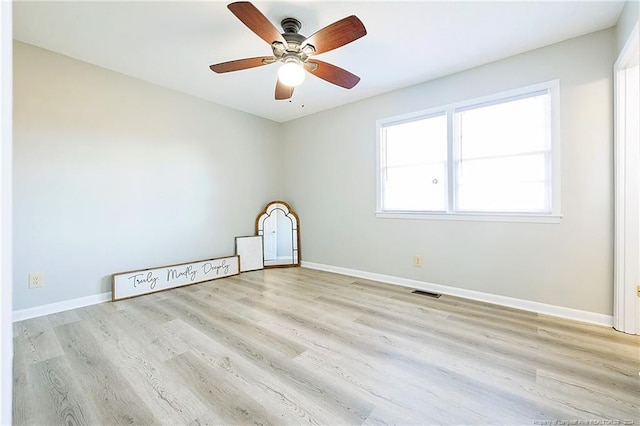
416	188
522	168
504	198
415	159
507	184
417	141
502	157
504	129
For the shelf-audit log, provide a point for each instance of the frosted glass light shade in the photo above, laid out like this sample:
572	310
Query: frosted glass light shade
291	74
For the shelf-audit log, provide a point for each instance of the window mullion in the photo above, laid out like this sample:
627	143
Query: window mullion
548	157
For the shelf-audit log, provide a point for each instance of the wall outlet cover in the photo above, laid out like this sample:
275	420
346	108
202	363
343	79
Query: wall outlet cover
36	280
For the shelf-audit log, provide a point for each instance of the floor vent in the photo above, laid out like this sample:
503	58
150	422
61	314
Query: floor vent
426	293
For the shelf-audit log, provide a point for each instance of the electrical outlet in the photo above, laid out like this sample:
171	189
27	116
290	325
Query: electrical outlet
417	261
36	280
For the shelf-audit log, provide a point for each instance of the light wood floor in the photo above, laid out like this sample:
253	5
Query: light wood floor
296	346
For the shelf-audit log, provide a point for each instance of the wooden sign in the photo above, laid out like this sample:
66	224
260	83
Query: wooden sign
145	281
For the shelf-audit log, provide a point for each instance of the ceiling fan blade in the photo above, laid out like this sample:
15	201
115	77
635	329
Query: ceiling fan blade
283	91
332	74
242	64
337	34
256	21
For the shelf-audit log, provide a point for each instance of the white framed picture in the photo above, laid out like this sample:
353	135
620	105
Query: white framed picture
250	250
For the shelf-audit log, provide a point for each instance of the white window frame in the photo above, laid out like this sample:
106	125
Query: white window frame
553	87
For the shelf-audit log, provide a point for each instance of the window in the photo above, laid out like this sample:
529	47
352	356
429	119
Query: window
495	158
416	164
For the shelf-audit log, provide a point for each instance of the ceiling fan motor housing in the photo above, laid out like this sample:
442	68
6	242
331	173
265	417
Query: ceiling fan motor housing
290	25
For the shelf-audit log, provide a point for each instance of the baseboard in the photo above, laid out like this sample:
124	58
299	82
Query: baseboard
54	308
512	302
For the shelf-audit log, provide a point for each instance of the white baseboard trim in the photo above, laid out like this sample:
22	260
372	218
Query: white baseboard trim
54	308
512	302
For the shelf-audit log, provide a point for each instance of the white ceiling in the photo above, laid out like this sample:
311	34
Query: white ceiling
173	43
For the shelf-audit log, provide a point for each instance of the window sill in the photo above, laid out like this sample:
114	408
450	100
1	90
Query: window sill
477	217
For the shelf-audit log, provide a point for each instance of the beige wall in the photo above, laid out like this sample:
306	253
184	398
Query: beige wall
113	174
330	180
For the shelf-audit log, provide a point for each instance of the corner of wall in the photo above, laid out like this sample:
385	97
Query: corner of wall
628	19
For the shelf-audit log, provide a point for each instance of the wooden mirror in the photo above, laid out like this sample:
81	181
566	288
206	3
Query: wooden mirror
280	230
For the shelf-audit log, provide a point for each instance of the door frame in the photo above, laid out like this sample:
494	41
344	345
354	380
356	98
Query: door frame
6	269
626	310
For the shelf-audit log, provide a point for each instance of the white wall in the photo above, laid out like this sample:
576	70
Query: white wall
330	179
113	174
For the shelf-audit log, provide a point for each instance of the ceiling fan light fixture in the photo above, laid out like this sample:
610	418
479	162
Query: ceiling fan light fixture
291	73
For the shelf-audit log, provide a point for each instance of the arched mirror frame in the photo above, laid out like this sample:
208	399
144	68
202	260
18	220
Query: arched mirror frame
269	209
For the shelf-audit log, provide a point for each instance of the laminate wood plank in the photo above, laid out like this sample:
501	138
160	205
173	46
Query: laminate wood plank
400	309
161	389
114	400
267	389
37	341
504	320
147	308
289	307
612	350
253	281
272	322
21	399
582	396
399	396
62	318
230	404
471	349
61	399
288	300
32	327
231	322
273	292
233	286
155	339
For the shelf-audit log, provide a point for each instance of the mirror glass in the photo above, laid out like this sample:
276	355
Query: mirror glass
279	227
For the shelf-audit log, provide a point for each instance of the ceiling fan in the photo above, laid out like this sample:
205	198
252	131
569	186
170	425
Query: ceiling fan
294	50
